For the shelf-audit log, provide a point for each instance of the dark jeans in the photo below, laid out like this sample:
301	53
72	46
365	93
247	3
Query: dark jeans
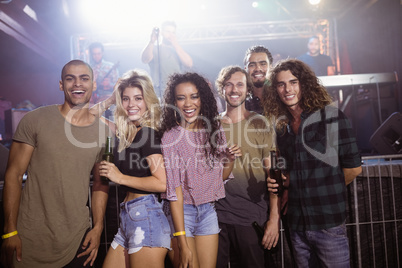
322	248
79	262
240	246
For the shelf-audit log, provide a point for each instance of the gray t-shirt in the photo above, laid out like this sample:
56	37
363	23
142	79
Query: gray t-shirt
169	64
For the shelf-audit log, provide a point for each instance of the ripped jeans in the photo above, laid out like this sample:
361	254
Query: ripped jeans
142	224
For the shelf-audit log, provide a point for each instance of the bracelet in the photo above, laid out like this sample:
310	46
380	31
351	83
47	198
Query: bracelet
9	235
179	233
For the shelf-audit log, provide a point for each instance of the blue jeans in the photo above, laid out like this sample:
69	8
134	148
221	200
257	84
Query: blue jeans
322	248
142	224
198	220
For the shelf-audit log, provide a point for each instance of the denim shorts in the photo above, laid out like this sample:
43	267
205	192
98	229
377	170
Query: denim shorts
198	220
142	224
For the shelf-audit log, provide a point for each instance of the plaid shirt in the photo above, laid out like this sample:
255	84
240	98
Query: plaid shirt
100	71
325	144
186	166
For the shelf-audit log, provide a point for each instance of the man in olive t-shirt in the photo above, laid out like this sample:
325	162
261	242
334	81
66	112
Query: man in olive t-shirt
247	199
47	222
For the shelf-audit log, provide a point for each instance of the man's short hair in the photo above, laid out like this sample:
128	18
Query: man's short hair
75	63
258	49
96	45
168	23
314	37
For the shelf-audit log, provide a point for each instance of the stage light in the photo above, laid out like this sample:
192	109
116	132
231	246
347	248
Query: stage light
30	12
66	9
128	16
314	2
124	16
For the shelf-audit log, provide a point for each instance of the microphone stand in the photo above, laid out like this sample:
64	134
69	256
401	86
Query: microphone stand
159	65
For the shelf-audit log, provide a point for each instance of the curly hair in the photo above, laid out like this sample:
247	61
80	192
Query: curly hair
125	130
209	110
226	73
314	95
258	49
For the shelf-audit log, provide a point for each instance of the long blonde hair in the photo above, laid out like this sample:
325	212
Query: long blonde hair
125	130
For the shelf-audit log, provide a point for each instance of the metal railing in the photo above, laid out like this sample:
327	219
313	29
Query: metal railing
374	221
375	213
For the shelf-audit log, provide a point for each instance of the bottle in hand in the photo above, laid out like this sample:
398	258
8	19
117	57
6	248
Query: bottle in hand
258	229
260	233
108	155
275	173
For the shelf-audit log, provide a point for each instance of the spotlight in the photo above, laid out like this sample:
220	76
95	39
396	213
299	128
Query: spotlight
30	12
314	2
254	4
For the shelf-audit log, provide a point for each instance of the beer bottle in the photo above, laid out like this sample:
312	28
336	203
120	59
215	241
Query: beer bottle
108	154
275	173
260	233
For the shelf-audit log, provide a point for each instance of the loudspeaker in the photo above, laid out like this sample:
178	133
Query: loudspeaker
367	105
12	118
387	139
365	117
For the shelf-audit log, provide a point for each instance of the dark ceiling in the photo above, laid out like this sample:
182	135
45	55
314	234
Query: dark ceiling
32	52
48	38
29	45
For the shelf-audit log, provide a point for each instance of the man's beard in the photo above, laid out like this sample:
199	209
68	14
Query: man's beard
258	84
96	62
167	42
236	105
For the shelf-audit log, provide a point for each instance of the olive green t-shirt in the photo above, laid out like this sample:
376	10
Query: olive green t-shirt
53	214
246	198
